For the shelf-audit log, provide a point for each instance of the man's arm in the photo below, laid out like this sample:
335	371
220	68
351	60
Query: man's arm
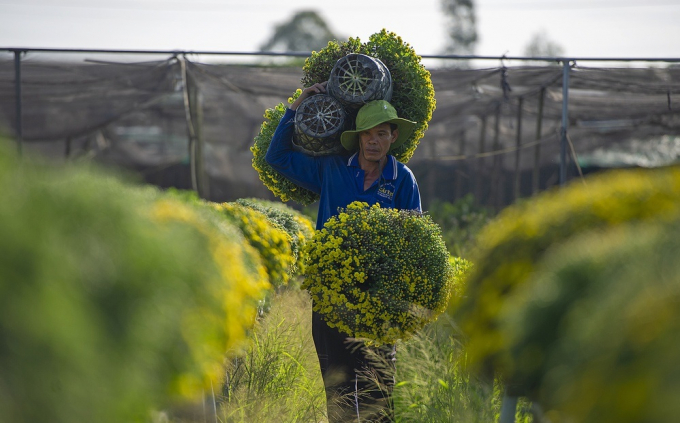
300	168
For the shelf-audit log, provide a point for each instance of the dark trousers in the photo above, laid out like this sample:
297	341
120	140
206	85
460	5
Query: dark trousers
358	379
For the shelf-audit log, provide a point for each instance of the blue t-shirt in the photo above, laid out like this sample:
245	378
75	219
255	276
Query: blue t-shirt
339	180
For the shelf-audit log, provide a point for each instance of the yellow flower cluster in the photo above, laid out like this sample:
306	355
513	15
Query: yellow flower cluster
379	274
298	226
304	236
271	241
219	320
510	247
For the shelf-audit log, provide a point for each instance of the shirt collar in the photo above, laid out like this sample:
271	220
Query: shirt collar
389	171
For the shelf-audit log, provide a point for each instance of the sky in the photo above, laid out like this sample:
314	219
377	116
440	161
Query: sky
583	28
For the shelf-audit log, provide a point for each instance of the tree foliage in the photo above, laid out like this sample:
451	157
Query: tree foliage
461	26
541	46
305	31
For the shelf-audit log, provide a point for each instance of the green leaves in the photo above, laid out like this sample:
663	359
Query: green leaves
112	296
569	298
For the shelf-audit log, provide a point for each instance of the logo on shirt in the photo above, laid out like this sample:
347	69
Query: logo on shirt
386	191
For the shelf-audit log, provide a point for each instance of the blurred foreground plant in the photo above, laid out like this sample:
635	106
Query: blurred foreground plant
510	246
595	333
112	298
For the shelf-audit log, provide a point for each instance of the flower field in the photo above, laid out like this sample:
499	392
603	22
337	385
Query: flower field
573	298
122	302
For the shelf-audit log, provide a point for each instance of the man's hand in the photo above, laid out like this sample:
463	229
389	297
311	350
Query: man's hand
314	89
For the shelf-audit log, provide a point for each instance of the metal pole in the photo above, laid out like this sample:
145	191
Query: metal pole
537	148
67	151
518	143
496	191
480	162
459	177
17	100
565	122
432	174
508	409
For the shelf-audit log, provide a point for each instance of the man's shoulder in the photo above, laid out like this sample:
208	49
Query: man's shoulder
402	167
341	158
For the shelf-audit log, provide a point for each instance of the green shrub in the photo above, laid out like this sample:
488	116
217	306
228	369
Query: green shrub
270	240
413	98
234	293
106	305
460	221
377	273
297	226
509	247
596	332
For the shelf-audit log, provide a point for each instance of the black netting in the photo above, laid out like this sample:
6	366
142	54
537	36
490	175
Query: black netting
147	116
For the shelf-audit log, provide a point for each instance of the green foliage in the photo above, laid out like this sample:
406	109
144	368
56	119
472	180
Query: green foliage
461	26
277	377
434	384
185	196
596	332
461	269
413	98
511	245
377	273
268	384
460	221
304	31
269	239
298	226
108	301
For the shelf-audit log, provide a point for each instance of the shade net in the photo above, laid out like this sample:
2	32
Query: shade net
495	132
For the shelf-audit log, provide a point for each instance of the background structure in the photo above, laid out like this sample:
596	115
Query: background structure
496	131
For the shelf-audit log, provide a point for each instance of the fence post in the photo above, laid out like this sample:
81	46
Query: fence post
17	100
497	170
565	121
508	409
459	176
479	171
432	174
518	143
537	148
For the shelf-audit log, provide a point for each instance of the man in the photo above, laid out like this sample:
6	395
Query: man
369	174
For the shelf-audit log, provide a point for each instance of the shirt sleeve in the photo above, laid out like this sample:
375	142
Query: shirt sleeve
299	168
409	195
